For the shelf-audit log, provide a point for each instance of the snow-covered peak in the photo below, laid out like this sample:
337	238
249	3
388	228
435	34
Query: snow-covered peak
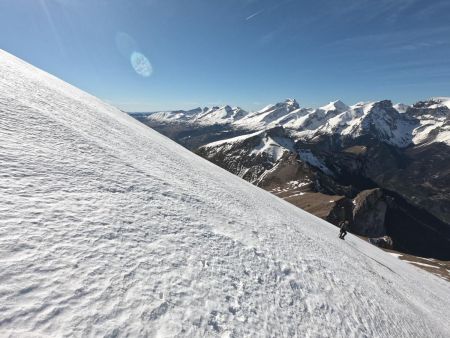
220	115
433	116
401	107
312	119
206	116
384	106
363	106
441	102
379	120
433	103
385	124
286	106
291	103
336	105
177	115
271	115
110	229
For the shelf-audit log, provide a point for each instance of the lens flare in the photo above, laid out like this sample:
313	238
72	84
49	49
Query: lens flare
141	64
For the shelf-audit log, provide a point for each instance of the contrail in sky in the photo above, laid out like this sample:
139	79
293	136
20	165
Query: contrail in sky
254	14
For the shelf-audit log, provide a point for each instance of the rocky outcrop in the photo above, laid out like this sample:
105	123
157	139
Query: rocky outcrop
287	169
384	242
369	213
342	211
366	213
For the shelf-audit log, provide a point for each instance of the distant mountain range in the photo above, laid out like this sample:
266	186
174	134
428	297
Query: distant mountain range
383	167
400	125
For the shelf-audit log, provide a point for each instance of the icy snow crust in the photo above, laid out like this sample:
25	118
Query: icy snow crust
110	229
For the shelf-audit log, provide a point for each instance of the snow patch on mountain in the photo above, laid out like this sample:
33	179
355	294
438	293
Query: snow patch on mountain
270	143
175	116
378	119
401	107
336	106
220	115
307	156
440	102
270	115
205	116
433	121
235	140
274	147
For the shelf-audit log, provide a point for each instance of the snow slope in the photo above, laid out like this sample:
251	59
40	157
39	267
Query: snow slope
110	229
270	115
273	144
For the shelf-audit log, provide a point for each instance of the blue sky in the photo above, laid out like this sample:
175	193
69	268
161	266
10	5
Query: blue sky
239	52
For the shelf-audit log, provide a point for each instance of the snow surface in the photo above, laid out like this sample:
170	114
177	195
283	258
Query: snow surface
426	265
270	116
110	229
234	140
401	107
307	156
274	147
336	105
175	116
443	102
220	115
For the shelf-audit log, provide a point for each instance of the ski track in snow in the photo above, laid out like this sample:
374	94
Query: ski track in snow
109	229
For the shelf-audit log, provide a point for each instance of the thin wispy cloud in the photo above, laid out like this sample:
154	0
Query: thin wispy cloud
268	9
386	11
398	40
271	36
51	22
387	7
405	66
432	8
254	14
267	38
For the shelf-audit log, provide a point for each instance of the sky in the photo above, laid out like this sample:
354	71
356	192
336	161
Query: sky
149	55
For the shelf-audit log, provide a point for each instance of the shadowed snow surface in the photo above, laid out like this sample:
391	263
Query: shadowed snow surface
109	229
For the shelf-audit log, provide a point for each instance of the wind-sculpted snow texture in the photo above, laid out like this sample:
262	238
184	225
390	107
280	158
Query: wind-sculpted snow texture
110	229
